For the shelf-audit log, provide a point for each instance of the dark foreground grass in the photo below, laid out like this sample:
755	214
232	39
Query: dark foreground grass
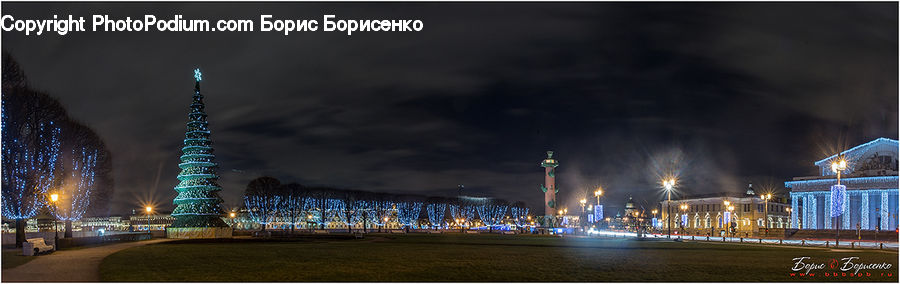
13	258
472	258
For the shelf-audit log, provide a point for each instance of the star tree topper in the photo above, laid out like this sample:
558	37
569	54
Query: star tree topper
198	75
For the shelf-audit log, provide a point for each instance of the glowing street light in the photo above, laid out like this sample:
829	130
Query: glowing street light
598	193
54	198
765	198
149	210
669	185
788	209
730	209
837	167
684	208
583	201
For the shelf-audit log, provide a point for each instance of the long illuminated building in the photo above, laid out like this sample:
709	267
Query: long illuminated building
871	179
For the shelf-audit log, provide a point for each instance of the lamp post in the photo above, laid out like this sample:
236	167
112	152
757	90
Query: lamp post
724	210
583	218
654	217
669	184
837	167
232	215
597	194
788	209
590	211
731	223
54	198
149	210
683	209
765	198
878	223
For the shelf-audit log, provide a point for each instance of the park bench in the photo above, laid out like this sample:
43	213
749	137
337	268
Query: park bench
398	232
471	232
35	246
320	232
434	232
509	232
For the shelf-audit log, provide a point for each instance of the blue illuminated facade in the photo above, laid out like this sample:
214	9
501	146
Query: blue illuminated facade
871	196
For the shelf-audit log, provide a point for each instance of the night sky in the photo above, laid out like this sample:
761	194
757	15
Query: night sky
723	94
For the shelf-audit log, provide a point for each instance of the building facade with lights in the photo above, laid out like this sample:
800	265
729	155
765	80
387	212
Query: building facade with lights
709	214
871	199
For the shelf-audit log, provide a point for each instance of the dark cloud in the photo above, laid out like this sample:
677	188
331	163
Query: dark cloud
732	92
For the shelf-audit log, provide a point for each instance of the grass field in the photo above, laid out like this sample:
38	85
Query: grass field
13	258
471	258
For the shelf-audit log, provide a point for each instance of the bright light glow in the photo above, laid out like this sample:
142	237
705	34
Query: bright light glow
54	197
727	203
232	214
197	75
583	201
839	165
668	183
149	209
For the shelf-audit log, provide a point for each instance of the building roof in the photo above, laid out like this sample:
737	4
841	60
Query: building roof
858	150
718	194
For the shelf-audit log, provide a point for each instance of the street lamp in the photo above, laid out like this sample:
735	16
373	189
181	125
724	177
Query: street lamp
583	201
788	209
766	198
668	185
54	198
684	208
149	210
724	209
732	223
837	167
598	193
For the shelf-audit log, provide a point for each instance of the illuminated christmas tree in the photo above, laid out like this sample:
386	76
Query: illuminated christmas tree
198	203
